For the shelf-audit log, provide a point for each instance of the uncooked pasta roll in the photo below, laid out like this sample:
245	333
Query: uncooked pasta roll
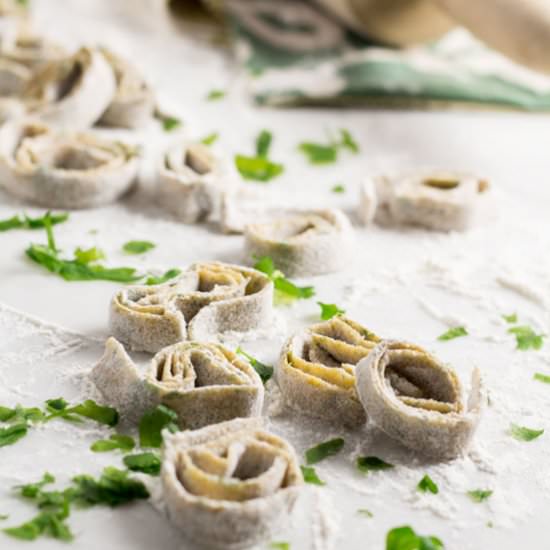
231	485
72	93
14	77
134	100
300	244
59	170
10	108
417	400
434	200
191	180
205	301
203	383
32	50
316	370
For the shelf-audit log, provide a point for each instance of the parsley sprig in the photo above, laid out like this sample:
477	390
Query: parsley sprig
22	221
318	153
265	371
259	167
401	538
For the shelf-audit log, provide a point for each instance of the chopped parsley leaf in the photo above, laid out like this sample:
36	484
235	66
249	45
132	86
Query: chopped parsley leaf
263	143
365	512
427	484
89	255
318	153
170	274
89	409
137	247
265	371
522	433
479	495
368	464
404	538
24	222
310	475
279	546
338	188
542	377
210	138
259	168
324	450
328	311
31	490
13	433
215	95
153	422
452	333
348	142
526	338
170	123
512	318
124	443
146	463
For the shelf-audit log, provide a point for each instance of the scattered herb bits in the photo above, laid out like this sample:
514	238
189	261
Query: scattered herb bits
13	433
512	318
138	247
427	484
328	311
279	546
365	512
452	333
259	168
170	274
310	475
339	188
170	123
318	153
153	422
527	338
210	139
324	450
215	95
31	490
265	371
22	221
479	495
366	464
120	442
542	377
404	538
522	433
146	463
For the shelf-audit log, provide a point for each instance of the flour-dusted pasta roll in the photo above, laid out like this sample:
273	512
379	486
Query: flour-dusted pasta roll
442	201
417	400
14	77
208	299
64	170
203	383
134	101
305	243
231	485
10	107
31	50
316	370
72	93
190	182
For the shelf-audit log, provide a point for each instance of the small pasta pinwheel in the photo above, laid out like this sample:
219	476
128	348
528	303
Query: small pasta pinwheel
316	370
64	170
31	50
442	201
134	101
203	383
206	300
72	93
417	400
14	77
191	180
303	243
231	485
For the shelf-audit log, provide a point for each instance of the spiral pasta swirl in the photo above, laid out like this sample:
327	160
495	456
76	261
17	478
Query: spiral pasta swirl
230	485
316	370
203	383
417	400
208	299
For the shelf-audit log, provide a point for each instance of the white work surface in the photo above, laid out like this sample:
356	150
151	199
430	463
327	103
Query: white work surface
410	284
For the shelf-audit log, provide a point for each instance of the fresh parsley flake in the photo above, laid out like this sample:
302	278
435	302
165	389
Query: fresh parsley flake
285	290
88	409
338	188
25	222
522	433
215	95
137	247
404	538
170	123
455	332
348	142
526	338
124	443
324	450
427	484
263	143
512	318
310	475
368	464
170	274
328	311
89	255
210	138
31	490
265	371
280	546
13	433
4	516
542	377
479	495
153	422
146	463
318	153
365	512
259	168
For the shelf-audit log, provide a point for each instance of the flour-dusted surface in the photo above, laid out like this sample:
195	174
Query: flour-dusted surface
411	285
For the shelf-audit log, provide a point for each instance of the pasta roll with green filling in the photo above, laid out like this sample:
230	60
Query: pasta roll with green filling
206	300
134	101
191	181
303	243
231	485
316	370
203	383
72	93
441	201
64	170
417	400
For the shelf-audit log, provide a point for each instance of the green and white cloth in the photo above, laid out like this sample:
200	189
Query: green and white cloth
295	54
